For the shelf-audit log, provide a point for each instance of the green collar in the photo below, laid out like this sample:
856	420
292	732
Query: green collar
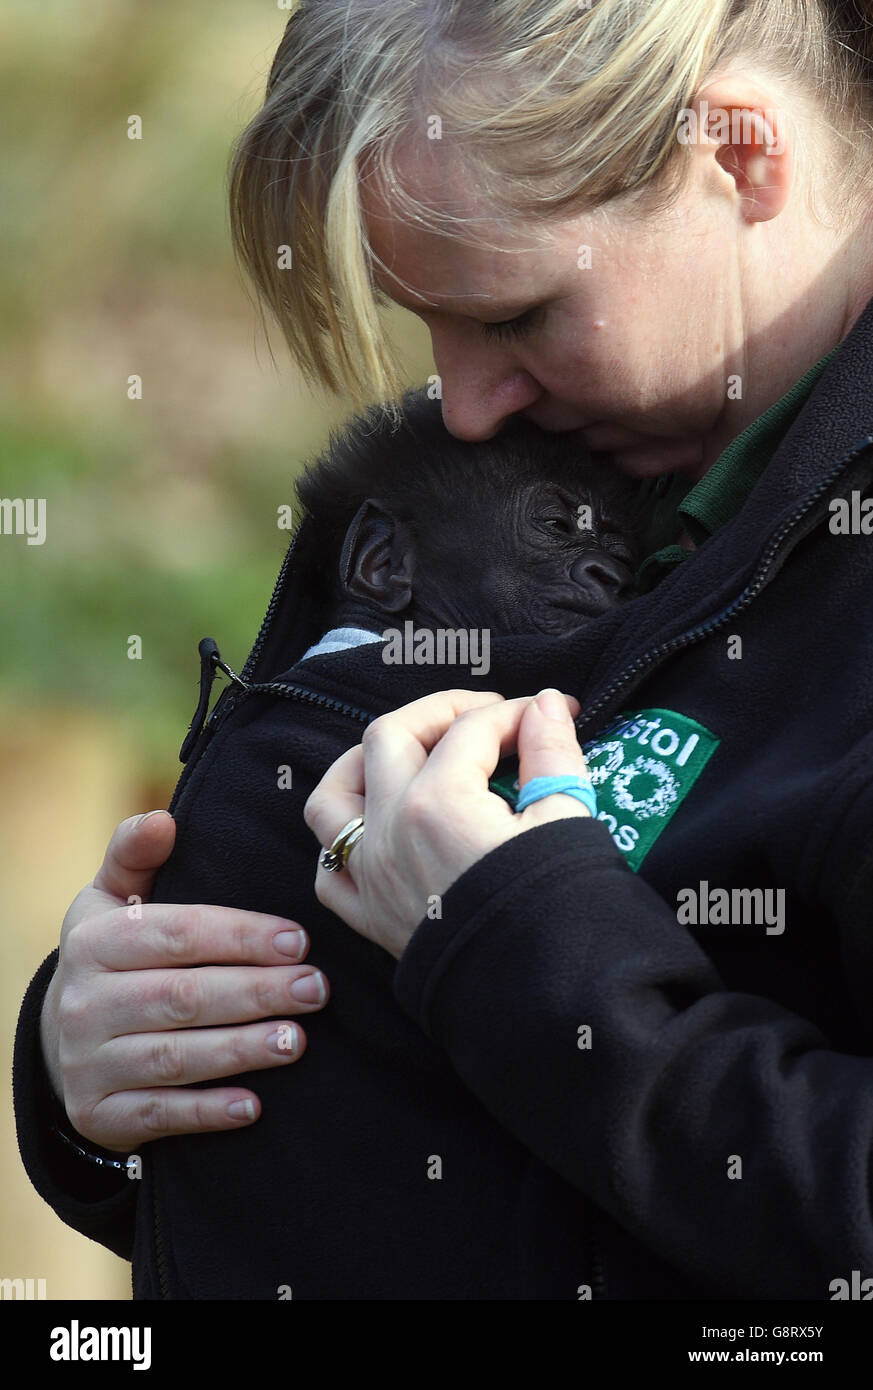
701	508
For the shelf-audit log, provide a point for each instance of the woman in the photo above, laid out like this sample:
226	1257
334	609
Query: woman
651	225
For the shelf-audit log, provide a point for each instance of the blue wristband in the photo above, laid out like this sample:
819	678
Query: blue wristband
581	788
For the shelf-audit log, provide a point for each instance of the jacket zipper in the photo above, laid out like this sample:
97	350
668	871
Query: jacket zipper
261	638
211	663
310	697
233	695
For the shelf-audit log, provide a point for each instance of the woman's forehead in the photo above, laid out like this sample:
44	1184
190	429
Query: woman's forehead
427	170
479	261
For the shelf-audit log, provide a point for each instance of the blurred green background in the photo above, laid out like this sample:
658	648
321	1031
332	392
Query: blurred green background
161	513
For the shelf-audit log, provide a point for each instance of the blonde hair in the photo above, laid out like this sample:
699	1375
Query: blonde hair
556	105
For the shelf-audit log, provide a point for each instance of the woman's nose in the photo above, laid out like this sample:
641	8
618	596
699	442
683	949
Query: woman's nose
479	393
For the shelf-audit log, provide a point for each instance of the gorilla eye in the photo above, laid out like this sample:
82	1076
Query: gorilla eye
559	521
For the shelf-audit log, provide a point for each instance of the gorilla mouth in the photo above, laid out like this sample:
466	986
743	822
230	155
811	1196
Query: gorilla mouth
555	616
588	600
582	607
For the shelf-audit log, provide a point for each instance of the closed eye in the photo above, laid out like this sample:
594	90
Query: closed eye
518	327
560	522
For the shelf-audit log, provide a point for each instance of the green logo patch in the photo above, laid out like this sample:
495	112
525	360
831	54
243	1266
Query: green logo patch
643	766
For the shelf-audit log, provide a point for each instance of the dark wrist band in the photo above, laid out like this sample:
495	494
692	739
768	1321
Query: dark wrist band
102	1160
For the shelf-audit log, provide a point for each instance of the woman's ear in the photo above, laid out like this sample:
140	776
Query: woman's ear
740	122
378	558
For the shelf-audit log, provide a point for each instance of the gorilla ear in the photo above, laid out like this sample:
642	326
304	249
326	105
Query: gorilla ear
377	559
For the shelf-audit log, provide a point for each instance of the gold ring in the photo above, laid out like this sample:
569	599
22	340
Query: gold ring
336	855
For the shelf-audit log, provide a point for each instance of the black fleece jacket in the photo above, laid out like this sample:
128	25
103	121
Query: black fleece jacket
560	1083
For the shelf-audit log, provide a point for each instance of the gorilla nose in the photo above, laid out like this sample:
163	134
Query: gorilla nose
596	571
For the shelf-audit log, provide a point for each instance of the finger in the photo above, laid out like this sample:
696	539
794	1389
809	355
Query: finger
136	851
147	1001
127	1119
338	892
467	755
146	1060
338	797
548	747
389	750
180	934
138	848
396	746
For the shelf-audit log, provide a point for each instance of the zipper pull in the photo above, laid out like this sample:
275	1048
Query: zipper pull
210	664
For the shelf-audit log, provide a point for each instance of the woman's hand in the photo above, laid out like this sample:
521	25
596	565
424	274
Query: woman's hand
420	778
126	1021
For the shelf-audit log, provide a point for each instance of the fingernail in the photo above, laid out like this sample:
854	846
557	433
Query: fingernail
290	943
309	989
148	815
241	1110
284	1040
552	704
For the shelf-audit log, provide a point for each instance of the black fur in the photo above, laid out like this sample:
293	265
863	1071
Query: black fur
432	481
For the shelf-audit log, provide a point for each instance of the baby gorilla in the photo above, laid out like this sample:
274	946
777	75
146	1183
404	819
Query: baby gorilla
372	1172
517	534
